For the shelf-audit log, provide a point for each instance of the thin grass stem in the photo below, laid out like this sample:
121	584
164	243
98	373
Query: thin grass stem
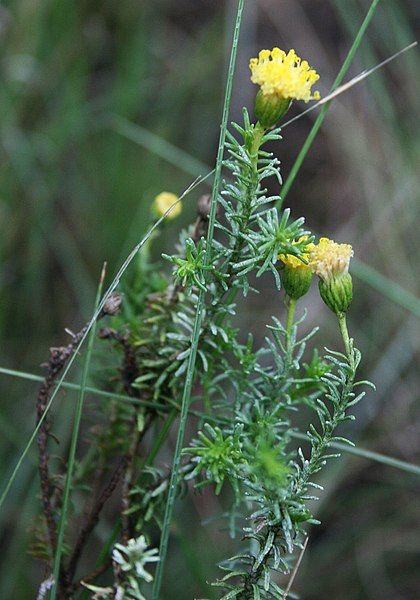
186	396
73	447
158	145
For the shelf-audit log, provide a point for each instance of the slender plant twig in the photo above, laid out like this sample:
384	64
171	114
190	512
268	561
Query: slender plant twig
158	442
73	446
295	569
106	297
136	439
186	396
129	369
390	461
56	363
94	516
320	118
129	372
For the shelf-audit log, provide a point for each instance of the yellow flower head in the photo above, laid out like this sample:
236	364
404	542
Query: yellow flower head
294	262
284	75
297	275
164	201
329	259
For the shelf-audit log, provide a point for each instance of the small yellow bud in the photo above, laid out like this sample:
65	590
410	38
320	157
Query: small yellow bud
330	261
164	201
296	275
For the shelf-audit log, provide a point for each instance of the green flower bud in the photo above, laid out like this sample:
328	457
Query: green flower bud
330	261
296	280
296	275
337	293
269	108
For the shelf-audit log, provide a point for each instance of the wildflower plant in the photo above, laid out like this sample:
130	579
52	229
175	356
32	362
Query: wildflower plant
250	401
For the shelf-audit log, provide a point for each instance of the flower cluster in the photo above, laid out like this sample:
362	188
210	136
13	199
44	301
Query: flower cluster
284	75
282	78
330	261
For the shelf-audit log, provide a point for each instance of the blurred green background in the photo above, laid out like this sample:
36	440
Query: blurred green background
103	105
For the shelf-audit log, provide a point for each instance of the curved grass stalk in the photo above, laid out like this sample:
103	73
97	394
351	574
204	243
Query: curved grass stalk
186	396
158	145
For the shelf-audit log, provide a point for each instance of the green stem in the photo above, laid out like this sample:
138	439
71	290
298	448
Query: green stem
189	378
291	309
319	120
346	339
73	447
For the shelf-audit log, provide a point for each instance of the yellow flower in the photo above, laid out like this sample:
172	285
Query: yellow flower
329	259
283	75
293	261
296	275
164	201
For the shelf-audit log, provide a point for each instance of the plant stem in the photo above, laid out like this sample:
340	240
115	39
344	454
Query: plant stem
73	446
291	308
342	321
186	396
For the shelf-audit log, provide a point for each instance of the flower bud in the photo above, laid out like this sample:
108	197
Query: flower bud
330	261
163	203
296	275
337	293
296	281
269	108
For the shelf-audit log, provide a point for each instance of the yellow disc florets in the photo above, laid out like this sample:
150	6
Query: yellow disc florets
329	259
284	75
164	201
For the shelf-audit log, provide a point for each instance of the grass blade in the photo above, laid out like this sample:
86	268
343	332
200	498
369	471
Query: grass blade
158	145
73	446
357	451
186	396
320	118
390	461
386	287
